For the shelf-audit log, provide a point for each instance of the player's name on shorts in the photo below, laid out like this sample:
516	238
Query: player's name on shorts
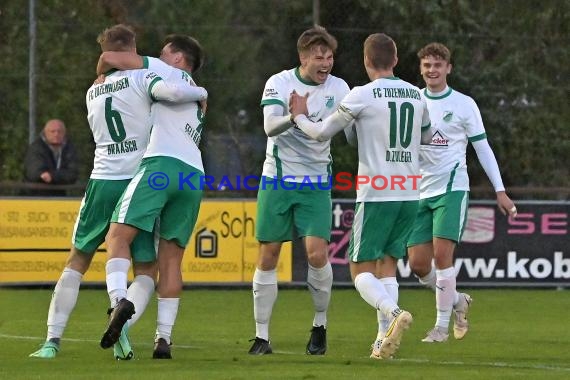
386	92
122	147
106	88
398	156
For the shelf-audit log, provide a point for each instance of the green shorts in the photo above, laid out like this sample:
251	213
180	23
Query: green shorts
442	216
279	209
380	229
175	207
92	224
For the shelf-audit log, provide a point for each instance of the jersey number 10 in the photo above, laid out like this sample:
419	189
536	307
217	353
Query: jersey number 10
404	125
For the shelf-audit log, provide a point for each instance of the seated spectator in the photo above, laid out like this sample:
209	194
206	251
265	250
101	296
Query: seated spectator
51	159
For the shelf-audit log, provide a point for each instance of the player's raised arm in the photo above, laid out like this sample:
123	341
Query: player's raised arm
119	60
322	130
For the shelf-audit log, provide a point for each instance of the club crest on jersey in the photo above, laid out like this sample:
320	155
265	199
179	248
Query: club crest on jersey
439	140
329	103
447	115
313	116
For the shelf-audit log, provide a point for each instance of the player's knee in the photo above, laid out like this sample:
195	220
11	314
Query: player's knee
419	266
146	269
78	262
112	238
443	261
318	258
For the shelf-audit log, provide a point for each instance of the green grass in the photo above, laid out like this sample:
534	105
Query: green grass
515	334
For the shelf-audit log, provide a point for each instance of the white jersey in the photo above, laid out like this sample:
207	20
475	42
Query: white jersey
293	154
176	128
456	120
118	112
389	116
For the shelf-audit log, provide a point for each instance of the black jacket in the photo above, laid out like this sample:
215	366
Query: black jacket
40	158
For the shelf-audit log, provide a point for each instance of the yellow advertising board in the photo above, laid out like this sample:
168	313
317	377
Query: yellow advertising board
35	237
223	246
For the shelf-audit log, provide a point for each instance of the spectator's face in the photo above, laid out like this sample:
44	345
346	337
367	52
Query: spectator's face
54	132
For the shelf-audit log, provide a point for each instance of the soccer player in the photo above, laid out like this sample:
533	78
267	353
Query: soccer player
444	190
119	117
291	157
172	151
390	119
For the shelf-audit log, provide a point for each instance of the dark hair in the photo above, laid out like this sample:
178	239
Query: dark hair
380	50
435	49
119	37
189	47
316	36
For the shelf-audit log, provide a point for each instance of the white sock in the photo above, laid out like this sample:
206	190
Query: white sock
264	297
167	311
444	296
455	297
429	279
375	294
319	281
117	274
62	302
139	294
391	286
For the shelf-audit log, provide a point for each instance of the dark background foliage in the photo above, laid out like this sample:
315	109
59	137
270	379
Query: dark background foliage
511	56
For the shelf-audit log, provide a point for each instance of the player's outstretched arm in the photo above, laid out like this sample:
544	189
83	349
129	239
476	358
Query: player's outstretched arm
489	163
118	60
350	133
322	130
326	129
164	91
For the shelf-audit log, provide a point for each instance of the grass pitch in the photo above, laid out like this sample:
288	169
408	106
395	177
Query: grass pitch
515	334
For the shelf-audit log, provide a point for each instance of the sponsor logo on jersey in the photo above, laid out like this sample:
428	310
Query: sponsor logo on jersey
151	75
439	140
271	92
329	101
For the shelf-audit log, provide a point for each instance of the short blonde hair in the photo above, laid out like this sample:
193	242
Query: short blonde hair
119	37
316	36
